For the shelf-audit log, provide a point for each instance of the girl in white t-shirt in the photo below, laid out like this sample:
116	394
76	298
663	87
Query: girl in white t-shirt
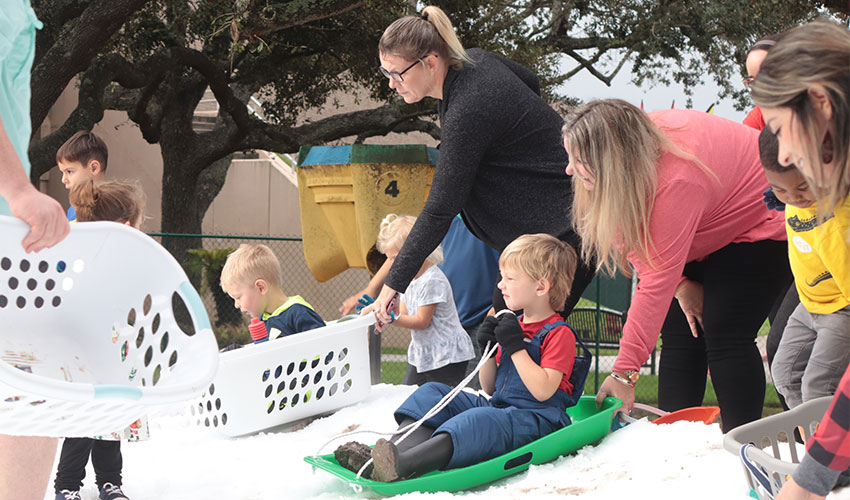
439	346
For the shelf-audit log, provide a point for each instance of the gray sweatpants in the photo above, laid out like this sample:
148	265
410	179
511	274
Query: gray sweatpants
812	356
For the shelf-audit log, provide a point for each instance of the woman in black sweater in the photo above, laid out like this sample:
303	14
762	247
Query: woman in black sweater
501	163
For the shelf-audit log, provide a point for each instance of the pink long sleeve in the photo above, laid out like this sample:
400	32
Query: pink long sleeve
695	214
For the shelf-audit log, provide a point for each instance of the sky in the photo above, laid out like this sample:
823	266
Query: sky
586	87
641	461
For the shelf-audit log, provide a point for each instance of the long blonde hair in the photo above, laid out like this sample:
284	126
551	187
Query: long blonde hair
413	37
812	54
621	146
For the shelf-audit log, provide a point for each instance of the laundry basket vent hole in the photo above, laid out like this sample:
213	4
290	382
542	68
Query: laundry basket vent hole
148	355
181	314
146	306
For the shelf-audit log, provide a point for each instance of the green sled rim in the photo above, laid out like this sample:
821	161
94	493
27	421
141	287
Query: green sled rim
589	426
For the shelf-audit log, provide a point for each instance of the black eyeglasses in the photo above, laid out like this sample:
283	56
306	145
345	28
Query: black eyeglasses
398	75
748	82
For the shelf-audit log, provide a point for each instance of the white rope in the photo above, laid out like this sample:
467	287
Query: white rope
489	351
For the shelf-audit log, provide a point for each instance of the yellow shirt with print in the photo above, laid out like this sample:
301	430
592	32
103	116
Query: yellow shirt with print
819	252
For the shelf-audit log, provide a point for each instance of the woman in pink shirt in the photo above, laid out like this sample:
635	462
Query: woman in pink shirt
675	196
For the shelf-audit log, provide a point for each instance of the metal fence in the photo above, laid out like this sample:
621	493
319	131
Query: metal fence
231	326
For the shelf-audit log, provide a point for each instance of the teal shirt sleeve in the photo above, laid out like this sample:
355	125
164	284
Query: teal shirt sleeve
17	49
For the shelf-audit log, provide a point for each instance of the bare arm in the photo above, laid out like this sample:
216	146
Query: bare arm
47	221
419	321
372	289
487	376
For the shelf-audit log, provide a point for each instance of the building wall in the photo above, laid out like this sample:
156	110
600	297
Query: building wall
255	199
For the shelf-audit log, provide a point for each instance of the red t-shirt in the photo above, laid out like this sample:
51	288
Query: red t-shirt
755	119
558	351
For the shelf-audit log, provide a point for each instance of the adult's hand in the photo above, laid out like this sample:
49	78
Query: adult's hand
619	390
47	221
385	304
793	491
691	295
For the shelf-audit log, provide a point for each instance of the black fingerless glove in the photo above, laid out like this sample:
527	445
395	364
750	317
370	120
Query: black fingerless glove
509	334
486	333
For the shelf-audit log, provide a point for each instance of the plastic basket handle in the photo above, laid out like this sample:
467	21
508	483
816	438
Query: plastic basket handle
196	306
758	473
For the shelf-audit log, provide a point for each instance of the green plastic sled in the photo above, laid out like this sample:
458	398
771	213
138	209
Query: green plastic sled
589	425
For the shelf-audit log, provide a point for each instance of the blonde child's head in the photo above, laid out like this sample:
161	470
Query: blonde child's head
249	263
82	157
393	233
543	257
252	277
115	201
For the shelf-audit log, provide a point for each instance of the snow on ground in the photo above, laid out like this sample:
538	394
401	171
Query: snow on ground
184	462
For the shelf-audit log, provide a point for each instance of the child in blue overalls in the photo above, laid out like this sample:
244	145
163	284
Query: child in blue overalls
532	378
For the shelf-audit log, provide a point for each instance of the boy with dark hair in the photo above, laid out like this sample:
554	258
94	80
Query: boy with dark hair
82	157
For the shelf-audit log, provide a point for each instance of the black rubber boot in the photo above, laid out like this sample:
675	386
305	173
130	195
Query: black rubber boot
391	465
420	435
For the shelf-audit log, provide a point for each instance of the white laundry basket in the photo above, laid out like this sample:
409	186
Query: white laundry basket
261	386
88	335
766	446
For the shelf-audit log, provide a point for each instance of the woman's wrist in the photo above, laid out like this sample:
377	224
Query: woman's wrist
627	377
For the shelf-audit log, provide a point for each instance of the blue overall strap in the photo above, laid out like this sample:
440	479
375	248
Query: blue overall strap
581	365
551	326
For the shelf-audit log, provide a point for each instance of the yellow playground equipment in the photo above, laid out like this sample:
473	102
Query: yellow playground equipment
345	191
